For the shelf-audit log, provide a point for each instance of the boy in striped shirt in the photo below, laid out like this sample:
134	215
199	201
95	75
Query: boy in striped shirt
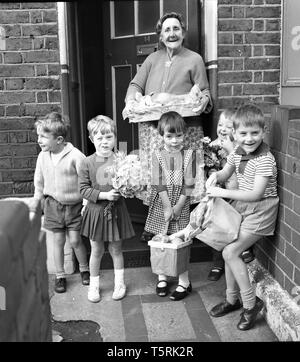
256	200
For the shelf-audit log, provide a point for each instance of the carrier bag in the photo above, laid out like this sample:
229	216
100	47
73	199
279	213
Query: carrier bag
214	222
169	258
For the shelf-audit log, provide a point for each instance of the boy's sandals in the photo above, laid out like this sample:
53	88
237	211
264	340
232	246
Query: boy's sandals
162	291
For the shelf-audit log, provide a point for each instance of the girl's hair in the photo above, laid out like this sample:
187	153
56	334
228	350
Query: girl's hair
55	124
171	122
248	115
228	113
167	16
101	123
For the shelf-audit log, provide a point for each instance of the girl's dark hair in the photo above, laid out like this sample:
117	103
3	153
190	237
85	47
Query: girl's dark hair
167	16
171	122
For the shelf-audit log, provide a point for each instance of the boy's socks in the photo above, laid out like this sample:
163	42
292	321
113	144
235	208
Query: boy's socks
232	295
84	267
183	279
94	290
248	298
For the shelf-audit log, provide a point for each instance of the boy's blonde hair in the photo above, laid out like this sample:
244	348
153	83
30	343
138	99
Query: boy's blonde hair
54	123
228	114
101	123
249	115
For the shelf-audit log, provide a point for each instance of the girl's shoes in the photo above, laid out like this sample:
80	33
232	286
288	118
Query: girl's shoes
94	293
180	295
162	291
248	316
119	291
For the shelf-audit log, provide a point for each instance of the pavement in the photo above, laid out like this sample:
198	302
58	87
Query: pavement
142	316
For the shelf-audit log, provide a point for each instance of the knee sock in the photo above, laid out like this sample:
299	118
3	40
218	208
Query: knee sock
60	275
183	279
119	276
83	267
232	295
248	298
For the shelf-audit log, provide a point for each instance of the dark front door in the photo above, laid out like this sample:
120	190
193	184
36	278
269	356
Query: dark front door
129	37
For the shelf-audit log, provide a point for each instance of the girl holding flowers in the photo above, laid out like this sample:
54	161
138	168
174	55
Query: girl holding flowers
172	184
105	217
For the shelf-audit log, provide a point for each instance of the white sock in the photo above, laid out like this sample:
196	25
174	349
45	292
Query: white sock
183	279
94	280
119	276
162	278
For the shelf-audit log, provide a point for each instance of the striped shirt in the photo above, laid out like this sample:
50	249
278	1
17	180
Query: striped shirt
263	165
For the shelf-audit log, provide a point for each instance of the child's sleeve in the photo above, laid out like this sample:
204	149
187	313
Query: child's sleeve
38	179
265	166
190	175
158	181
85	185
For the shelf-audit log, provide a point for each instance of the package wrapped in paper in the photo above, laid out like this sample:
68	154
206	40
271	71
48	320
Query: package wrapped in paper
151	107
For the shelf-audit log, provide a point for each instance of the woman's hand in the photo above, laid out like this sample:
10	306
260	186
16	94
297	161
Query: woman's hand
211	181
168	213
204	100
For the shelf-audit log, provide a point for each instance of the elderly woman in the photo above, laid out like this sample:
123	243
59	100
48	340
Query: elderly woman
173	69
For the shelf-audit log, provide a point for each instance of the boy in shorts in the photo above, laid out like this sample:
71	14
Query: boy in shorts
56	185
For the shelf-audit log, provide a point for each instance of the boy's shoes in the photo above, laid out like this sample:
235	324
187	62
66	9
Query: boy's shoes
249	315
60	285
248	255
224	308
146	236
119	291
180	295
163	289
94	293
215	274
85	277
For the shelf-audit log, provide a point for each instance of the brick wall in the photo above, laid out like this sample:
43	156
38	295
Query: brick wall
280	254
248	52
29	87
24	306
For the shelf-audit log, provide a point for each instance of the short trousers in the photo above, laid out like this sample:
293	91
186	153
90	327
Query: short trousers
59	217
258	217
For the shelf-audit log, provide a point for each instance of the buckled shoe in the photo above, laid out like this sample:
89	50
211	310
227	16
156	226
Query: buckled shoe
248	316
224	308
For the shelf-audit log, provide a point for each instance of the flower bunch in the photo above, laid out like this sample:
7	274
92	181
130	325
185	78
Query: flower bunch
127	175
214	157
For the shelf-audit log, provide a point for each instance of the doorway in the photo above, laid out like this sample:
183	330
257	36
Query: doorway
112	39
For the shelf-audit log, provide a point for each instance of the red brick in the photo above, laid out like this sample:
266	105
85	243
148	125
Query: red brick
17	97
18	137
12	58
3	137
292	219
234	25
235	2
224	12
41	109
289	285
14	83
38	43
25	150
259	25
39	30
12	30
42	56
17	175
24	162
276	272
283	263
53	69
257	77
297	276
17	123
263	12
225	64
23	188
14	17
286	197
272	25
296	240
262	38
238	64
293	255
49	16
38	5
41	69
17	70
15	110
51	43
237	89
238	38
6	188
224	90
54	96
238	12
259	88
41	97
5	150
5	162
258	51
36	17
18	44
224	38
263	63
234	51
9	6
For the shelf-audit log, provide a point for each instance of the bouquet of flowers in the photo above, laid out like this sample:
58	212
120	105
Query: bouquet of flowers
127	175
214	156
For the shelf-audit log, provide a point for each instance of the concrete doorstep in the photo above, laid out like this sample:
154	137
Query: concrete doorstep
282	312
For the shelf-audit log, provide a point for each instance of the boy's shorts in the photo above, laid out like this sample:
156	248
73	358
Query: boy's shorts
59	217
258	217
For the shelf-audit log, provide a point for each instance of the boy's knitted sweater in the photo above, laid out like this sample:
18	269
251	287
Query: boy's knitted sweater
60	181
